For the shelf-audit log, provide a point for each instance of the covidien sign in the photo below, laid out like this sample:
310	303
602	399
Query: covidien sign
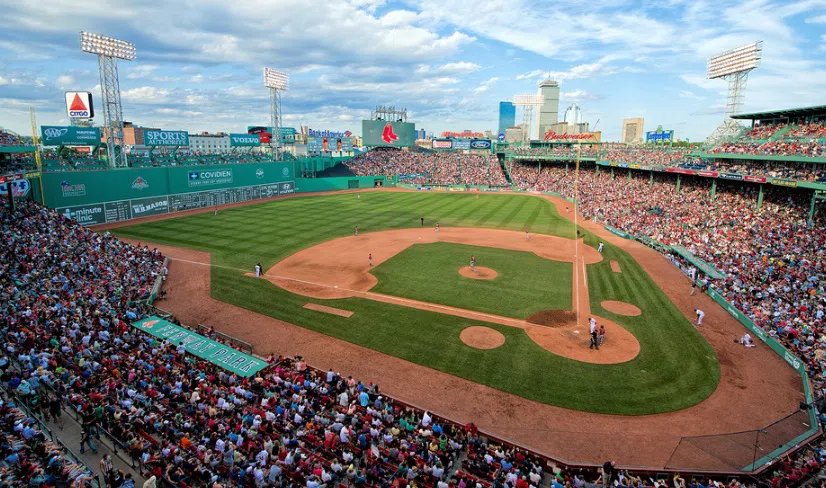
210	177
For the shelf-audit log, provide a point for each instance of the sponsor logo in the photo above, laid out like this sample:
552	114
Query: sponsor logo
792	360
145	208
285	171
467	134
731	176
387	135
166	138
79	105
85	215
328	133
149	324
446	144
54	132
782	182
140	184
551	135
210	177
78	108
483	144
250	139
259	173
19	188
70	190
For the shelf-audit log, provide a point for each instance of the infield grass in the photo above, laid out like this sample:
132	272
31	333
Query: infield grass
676	367
525	283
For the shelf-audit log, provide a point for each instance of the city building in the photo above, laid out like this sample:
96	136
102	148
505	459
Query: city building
514	134
209	143
421	134
549	110
633	130
507	116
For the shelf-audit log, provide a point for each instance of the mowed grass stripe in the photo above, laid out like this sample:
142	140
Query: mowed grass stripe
675	369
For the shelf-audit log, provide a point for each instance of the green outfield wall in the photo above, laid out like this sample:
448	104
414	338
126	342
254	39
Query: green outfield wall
105	196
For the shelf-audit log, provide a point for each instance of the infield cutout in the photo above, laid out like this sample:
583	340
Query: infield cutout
330	310
478	273
615	267
621	308
479	337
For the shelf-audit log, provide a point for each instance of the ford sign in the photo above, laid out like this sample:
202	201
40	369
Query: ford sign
480	144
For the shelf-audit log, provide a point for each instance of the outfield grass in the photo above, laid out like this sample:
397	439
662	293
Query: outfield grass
676	367
525	283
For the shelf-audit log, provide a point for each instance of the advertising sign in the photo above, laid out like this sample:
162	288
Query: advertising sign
86	214
461	144
64	135
329	133
480	144
659	135
203	347
210	177
165	138
466	134
551	135
265	133
442	144
244	140
20	188
329	145
388	134
79	105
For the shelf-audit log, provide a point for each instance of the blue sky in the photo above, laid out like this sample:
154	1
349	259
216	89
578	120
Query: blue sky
448	61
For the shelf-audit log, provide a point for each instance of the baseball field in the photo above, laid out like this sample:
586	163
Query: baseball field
517	323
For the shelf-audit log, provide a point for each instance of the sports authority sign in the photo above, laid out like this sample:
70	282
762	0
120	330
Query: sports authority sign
79	105
165	138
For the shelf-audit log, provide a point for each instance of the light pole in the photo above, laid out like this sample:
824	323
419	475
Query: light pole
276	81
108	51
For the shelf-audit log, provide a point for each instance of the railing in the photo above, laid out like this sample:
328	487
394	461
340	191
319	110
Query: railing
156	288
238	343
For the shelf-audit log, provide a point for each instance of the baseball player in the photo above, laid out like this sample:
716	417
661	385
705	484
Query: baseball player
473	263
527	236
356	231
592	329
700	316
599	248
258	270
437	227
370	259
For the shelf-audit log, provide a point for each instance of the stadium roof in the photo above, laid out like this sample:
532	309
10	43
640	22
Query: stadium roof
782	114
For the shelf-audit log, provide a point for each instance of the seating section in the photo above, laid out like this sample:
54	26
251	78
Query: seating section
803	139
438	168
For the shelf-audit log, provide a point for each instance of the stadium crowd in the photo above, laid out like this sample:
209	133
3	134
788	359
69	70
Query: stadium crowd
439	168
68	295
774	169
10	139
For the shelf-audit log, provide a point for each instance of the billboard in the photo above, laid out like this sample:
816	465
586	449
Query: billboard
265	133
388	134
480	144
165	138
461	144
79	104
659	135
244	140
329	145
442	144
329	133
551	135
64	135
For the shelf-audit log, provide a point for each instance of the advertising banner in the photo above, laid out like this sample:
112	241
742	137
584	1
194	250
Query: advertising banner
731	176
442	144
210	177
244	140
388	134
329	145
221	355
461	144
659	136
20	188
784	182
333	134
755	179
165	138
65	135
79	105
480	144
708	174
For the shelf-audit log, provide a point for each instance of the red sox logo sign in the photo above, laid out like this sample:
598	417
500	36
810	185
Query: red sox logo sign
388	135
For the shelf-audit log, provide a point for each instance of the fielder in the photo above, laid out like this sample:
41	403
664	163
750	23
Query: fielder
700	316
473	263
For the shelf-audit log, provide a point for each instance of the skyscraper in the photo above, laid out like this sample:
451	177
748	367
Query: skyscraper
549	110
507	116
632	130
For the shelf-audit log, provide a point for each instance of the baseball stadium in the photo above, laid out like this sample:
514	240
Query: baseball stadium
316	308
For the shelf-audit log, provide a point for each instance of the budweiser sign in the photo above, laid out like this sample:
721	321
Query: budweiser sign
551	136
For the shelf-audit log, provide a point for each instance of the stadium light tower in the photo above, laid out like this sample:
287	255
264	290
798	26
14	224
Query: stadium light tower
527	102
277	82
734	66
109	50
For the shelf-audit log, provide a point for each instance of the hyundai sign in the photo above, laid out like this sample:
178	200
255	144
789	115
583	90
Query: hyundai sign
165	138
79	105
244	140
62	135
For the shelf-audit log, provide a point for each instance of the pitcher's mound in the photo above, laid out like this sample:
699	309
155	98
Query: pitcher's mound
480	273
480	337
553	318
621	308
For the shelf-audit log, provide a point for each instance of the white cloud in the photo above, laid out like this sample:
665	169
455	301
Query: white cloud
138	71
485	85
146	95
820	19
65	81
578	95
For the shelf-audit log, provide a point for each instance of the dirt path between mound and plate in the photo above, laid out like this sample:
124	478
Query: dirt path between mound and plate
756	387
